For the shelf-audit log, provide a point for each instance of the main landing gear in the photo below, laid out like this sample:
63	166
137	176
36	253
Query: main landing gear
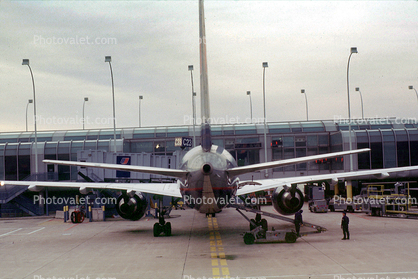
257	222
162	226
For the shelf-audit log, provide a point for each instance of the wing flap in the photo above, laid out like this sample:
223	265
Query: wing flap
152	170
165	189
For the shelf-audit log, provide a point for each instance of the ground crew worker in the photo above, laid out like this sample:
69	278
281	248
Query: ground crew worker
344	226
298	221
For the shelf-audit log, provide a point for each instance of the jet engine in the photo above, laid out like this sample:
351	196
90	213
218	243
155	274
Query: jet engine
288	200
131	207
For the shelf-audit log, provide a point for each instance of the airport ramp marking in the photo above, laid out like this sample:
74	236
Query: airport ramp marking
217	253
51	222
372	275
35	231
28	231
11	232
72	227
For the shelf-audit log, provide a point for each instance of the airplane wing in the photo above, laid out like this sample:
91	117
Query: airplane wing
182	173
268	165
165	189
152	170
264	184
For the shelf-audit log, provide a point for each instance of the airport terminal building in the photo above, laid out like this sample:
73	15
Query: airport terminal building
393	143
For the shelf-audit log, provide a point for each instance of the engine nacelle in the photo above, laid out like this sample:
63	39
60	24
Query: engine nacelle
287	201
132	208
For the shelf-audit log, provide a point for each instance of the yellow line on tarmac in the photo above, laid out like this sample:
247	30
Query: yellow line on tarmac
219	264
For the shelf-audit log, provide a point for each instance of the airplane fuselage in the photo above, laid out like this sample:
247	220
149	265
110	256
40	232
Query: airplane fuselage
208	187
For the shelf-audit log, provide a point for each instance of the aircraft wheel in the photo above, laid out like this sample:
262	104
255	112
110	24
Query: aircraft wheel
264	224
290	237
249	238
167	229
252	227
157	229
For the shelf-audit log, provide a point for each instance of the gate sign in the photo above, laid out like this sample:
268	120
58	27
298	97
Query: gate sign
183	142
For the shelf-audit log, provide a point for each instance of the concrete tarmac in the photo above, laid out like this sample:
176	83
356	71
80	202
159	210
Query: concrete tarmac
203	247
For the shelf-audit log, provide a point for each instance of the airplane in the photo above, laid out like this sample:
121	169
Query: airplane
208	179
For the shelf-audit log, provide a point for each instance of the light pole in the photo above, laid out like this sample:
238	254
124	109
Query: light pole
30	101
193	106
86	99
251	106
26	62
109	59
139	109
412	87
306	101
353	50
361	98
265	65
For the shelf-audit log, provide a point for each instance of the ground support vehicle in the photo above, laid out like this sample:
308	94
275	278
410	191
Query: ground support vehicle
259	233
317	202
318	206
343	204
376	200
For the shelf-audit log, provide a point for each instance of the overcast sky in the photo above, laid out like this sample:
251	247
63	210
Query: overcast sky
306	43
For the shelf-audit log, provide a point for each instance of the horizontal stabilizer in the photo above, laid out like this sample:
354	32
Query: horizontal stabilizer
247	187
275	164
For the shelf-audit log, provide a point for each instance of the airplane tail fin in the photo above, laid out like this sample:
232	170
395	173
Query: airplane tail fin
204	87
